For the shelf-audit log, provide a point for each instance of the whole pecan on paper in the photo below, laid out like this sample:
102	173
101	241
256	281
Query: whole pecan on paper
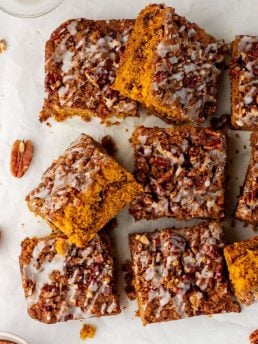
253	338
21	155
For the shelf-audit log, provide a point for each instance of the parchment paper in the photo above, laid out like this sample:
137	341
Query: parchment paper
21	95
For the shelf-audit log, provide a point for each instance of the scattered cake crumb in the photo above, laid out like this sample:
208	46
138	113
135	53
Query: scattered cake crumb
126	130
49	124
109	144
3	46
87	331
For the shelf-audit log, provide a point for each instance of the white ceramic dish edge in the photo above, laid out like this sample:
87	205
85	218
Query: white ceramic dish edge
12	337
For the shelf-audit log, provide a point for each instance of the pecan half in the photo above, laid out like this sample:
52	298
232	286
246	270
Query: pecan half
254	337
21	155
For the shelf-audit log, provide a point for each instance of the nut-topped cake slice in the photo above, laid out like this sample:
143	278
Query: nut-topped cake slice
82	190
179	273
242	262
247	207
63	282
81	60
244	82
171	66
182	171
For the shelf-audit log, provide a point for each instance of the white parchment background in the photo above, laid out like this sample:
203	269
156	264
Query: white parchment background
21	94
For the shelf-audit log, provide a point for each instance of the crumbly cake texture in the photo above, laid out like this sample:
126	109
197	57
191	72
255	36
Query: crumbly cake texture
244	82
75	284
171	66
87	331
247	207
81	60
182	171
179	273
82	190
242	262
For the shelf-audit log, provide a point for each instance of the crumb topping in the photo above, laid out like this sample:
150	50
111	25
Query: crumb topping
182	171
186	70
245	67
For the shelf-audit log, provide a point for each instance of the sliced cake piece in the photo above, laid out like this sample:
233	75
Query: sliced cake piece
247	207
244	82
171	66
81	61
242	262
182	171
62	282
82	190
179	273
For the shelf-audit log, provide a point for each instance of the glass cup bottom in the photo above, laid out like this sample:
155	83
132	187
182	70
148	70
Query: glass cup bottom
28	8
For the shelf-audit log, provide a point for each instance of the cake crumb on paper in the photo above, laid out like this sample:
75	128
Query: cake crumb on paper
3	46
87	331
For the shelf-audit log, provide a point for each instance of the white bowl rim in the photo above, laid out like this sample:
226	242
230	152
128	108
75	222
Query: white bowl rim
31	15
12	337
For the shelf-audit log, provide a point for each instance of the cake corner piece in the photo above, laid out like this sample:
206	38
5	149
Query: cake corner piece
171	66
76	283
179	273
81	60
182	171
82	190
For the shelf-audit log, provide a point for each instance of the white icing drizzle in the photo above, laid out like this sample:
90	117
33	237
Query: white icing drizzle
72	27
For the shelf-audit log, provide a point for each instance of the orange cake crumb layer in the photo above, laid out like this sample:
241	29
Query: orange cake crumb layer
82	190
171	66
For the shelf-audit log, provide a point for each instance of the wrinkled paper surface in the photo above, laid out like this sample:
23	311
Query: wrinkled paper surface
21	96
